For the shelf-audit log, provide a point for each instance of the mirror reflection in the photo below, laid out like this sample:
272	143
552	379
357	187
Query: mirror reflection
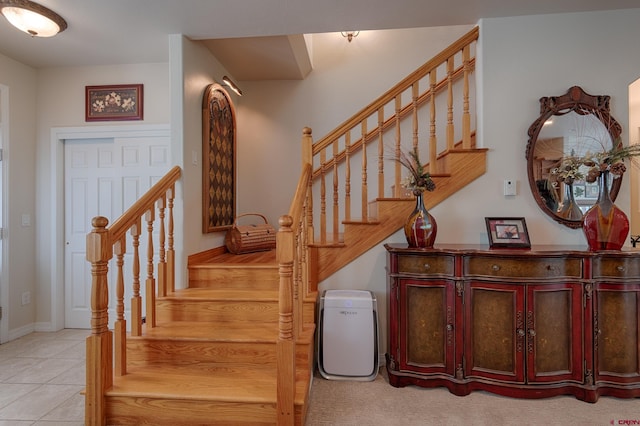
570	127
564	137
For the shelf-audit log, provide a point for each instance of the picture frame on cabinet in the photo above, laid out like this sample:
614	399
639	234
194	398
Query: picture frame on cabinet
507	232
116	102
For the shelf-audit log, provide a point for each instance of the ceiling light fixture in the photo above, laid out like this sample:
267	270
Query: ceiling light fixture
232	85
350	35
32	18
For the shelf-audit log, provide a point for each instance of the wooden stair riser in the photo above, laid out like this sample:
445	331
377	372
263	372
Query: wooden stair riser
234	278
177	412
141	351
220	311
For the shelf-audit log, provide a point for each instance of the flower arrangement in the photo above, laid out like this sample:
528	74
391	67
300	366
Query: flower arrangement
612	161
419	179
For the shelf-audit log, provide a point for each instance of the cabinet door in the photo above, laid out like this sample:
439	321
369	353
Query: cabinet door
427	326
617	312
495	331
554	332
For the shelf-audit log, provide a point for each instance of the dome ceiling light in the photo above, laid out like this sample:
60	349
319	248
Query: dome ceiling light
32	18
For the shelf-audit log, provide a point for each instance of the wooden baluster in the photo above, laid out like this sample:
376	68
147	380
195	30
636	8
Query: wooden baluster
450	143
285	348
336	197
120	326
466	117
347	175
136	300
307	158
99	345
150	293
323	197
162	263
414	111
398	172
365	191
433	142
171	255
381	152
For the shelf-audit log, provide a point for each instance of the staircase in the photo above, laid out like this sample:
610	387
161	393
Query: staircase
211	359
236	346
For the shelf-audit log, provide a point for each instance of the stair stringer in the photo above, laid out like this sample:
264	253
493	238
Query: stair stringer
390	214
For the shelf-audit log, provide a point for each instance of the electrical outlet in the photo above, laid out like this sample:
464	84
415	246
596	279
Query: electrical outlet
26	298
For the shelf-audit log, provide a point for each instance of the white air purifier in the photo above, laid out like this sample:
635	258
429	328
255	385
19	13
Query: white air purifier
348	335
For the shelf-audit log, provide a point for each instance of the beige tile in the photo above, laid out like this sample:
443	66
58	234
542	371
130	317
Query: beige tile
39	402
75	351
72	410
54	423
12	366
44	370
10	392
15	423
73	376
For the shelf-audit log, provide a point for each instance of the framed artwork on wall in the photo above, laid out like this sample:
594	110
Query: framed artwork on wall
218	160
119	102
507	232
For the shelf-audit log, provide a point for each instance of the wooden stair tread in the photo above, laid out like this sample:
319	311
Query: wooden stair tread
231	331
212	293
245	383
249	260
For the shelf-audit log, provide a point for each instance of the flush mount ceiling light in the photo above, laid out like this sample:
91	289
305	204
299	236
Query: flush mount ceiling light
32	18
350	35
232	85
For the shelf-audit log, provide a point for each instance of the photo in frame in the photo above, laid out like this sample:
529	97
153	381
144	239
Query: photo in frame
507	232
218	160
119	102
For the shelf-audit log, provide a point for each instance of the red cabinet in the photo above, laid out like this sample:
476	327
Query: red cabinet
523	323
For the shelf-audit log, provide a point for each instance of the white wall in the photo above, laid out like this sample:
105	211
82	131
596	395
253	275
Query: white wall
60	103
19	84
199	69
521	60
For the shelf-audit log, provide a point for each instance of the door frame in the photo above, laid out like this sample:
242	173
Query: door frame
58	136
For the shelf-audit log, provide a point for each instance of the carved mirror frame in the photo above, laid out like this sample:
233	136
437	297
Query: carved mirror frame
582	103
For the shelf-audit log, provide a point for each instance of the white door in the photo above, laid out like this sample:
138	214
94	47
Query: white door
103	177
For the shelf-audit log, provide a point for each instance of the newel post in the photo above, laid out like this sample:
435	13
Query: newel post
285	347
99	349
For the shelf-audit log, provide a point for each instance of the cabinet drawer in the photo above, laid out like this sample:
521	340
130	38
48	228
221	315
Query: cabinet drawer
616	267
442	265
542	267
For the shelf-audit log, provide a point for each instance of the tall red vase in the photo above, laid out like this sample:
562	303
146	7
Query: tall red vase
420	228
605	225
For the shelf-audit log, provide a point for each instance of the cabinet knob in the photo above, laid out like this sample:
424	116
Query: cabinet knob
495	268
427	266
532	332
520	332
620	268
449	327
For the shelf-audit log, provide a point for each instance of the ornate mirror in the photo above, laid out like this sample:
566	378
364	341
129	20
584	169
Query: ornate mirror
570	125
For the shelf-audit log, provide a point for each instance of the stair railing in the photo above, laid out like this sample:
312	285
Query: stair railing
404	108
292	256
103	242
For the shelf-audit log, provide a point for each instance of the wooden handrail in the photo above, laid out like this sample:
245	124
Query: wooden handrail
105	355
337	157
396	90
291	247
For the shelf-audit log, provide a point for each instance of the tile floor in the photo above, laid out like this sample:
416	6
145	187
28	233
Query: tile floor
41	377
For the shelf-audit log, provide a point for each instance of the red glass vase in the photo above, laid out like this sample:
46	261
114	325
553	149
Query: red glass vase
420	227
605	225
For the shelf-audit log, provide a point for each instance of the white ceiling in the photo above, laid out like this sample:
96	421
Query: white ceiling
102	32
